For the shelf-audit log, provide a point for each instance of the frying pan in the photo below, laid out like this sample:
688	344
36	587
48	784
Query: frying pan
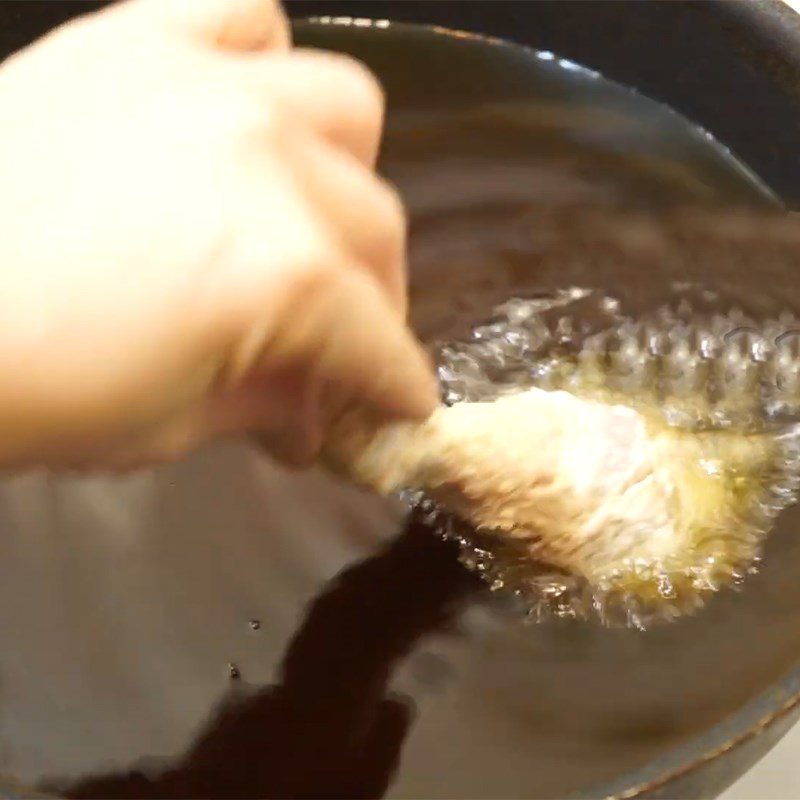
734	69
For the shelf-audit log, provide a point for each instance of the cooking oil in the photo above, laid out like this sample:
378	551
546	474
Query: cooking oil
724	386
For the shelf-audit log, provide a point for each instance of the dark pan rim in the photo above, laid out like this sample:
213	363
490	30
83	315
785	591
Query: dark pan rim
379	23
751	720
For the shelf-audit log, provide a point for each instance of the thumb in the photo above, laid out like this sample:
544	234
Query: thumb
341	344
358	348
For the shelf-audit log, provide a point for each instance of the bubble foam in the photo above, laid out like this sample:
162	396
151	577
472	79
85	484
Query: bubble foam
700	370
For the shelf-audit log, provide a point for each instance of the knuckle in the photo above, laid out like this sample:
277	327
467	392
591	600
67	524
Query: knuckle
395	208
296	266
76	36
361	90
257	121
314	272
367	95
393	224
280	27
269	116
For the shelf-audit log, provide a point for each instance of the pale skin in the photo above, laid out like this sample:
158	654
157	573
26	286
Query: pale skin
194	242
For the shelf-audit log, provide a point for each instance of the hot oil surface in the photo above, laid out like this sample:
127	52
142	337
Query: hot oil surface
720	396
126	605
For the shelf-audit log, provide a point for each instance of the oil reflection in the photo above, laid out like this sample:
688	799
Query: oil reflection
331	727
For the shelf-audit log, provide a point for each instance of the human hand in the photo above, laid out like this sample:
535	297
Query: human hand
193	241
